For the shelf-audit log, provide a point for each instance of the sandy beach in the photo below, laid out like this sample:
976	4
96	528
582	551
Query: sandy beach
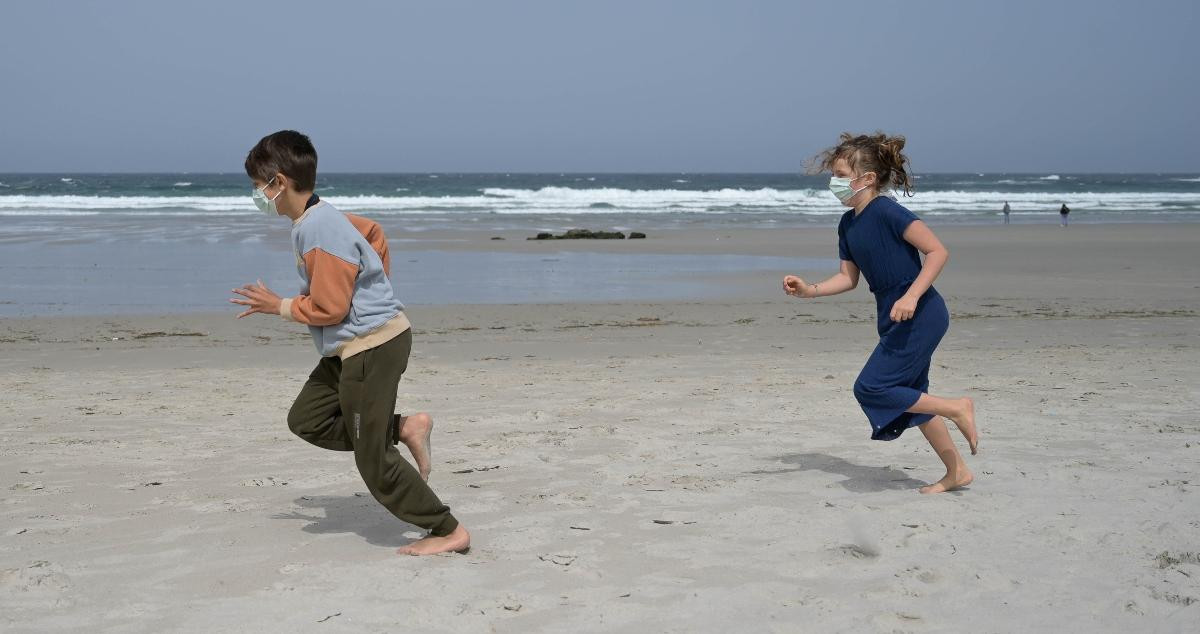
641	467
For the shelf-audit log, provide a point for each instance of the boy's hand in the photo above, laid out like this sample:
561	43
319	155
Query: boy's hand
794	286
259	298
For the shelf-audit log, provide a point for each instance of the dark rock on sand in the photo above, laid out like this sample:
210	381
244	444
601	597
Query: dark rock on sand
581	234
587	234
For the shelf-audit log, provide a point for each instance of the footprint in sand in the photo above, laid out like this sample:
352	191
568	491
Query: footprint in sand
37	578
853	551
264	482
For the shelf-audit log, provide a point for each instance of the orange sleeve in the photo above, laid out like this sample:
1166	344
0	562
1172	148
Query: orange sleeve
330	289
374	235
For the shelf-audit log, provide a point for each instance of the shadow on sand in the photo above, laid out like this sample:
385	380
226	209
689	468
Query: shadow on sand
859	478
359	514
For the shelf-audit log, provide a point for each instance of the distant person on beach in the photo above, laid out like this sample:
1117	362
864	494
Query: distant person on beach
1006	210
362	334
884	241
1063	212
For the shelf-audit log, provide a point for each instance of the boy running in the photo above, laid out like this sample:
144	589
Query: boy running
362	334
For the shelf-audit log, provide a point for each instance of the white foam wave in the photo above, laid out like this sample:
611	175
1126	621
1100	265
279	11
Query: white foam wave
636	199
570	201
1180	180
122	203
961	201
182	184
1052	177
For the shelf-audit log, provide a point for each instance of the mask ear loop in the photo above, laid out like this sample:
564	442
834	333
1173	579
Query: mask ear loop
859	191
268	185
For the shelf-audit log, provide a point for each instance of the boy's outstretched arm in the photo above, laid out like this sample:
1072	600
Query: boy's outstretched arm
331	289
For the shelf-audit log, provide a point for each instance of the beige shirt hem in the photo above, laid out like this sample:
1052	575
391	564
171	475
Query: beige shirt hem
393	328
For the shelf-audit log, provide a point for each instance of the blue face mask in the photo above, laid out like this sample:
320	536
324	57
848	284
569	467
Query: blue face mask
264	204
842	189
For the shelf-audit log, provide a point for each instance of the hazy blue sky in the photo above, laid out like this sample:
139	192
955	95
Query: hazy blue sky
558	85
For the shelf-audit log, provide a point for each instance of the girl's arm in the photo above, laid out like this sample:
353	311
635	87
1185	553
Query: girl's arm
841	282
936	254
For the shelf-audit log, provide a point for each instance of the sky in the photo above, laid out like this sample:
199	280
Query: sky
613	86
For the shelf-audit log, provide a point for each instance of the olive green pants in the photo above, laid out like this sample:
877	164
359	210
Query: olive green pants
348	406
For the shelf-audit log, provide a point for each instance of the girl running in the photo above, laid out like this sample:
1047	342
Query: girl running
884	241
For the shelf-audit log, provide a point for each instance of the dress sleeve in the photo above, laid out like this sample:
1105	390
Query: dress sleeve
843	245
898	217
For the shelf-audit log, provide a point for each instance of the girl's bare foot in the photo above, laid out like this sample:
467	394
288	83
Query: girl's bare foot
458	542
415	432
960	478
965	421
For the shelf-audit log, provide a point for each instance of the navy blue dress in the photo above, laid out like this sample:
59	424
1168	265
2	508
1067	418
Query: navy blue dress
898	370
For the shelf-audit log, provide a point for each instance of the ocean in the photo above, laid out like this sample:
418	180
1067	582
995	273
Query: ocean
138	243
519	200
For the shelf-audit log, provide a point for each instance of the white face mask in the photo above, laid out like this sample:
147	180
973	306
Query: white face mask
842	189
264	204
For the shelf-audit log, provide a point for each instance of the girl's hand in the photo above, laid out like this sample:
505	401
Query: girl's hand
259	298
794	286
904	308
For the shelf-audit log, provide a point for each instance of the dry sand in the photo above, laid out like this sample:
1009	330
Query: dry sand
634	467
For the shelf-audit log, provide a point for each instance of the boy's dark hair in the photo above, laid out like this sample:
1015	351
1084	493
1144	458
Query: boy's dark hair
288	152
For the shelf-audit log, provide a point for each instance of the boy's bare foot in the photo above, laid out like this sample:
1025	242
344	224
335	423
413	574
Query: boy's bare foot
960	478
458	542
965	421
415	431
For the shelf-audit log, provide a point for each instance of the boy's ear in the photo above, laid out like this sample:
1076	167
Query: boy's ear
283	181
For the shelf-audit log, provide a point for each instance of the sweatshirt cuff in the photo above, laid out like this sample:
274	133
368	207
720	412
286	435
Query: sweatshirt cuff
285	309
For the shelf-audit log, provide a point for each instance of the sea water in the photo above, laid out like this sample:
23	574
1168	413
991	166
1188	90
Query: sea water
124	243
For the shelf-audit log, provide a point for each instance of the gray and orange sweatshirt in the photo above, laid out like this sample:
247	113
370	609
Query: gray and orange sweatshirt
346	298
